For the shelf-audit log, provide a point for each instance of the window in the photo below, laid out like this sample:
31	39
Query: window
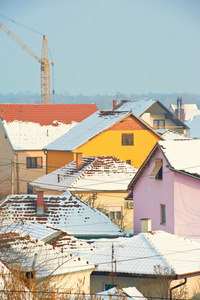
158	124
107	286
157	171
128	161
163	214
114	212
127	139
33	162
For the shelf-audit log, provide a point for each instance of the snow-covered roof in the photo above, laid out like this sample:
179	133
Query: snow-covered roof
170	135
194	125
136	106
67	212
126	293
33	229
102	173
33	136
182	155
190	110
152	253
87	129
21	249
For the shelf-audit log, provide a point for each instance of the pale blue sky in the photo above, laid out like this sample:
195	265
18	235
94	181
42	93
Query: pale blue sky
104	46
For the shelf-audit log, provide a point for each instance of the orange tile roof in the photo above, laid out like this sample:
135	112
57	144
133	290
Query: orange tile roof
45	114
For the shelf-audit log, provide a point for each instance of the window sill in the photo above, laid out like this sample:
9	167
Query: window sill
162	223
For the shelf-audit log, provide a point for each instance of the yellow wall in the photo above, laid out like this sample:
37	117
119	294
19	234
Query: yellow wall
56	160
112	199
109	143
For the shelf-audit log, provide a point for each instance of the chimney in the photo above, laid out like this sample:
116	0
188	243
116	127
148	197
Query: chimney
40	203
145	225
78	160
179	112
114	104
29	279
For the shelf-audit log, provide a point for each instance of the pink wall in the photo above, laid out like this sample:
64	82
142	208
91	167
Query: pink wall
149	194
187	206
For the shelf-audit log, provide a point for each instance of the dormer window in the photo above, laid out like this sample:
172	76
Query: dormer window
158	170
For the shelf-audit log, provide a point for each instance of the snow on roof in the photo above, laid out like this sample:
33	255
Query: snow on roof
126	293
102	173
86	130
146	253
182	155
46	114
21	249
33	229
194	125
136	106
68	213
170	135
190	110
33	136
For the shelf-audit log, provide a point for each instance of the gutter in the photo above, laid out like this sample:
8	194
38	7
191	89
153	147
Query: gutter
185	173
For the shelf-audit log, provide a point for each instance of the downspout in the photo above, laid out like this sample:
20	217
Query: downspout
17	173
46	159
175	287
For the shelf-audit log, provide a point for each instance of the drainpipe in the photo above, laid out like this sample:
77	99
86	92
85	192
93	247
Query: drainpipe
175	287
46	159
17	173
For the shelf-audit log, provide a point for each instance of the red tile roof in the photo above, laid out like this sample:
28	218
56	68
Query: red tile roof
45	114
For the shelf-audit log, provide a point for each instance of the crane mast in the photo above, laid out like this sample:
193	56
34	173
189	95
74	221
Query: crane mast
44	64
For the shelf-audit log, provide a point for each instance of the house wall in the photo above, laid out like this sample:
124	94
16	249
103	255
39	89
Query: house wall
187	206
7	165
57	159
27	175
109	142
150	194
112	201
150	287
72	283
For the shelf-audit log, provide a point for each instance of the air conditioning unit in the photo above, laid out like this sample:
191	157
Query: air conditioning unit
128	204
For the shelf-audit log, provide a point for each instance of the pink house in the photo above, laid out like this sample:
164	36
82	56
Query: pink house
166	189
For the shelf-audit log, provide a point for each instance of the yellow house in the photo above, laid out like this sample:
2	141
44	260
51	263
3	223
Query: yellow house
105	133
100	181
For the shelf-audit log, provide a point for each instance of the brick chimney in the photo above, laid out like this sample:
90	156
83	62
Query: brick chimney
40	203
179	111
78	160
114	104
145	225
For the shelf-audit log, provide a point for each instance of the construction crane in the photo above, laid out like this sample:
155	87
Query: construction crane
44	64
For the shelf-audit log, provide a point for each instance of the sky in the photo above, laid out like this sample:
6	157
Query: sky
103	46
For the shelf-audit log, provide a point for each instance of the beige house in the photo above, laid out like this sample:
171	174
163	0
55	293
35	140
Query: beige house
154	113
67	273
159	264
24	130
100	181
